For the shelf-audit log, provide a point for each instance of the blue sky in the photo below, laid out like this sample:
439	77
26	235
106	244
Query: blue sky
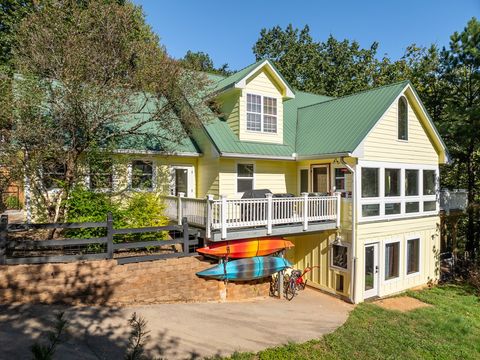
227	30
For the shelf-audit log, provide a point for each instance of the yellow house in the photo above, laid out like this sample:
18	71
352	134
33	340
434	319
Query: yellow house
353	181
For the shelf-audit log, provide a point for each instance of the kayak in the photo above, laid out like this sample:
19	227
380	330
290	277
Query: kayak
246	269
246	248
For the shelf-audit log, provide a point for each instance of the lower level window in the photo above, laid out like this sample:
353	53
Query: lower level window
413	256
339	256
412	207
142	175
392	260
392	208
370	210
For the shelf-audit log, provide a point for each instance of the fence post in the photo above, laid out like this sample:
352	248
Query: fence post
3	239
209	217
339	203
109	236
186	238
180	207
269	212
305	211
223	216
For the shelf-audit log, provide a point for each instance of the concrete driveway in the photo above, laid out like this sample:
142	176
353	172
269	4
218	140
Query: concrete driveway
177	331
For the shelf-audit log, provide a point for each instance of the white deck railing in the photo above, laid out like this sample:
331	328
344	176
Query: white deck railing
223	214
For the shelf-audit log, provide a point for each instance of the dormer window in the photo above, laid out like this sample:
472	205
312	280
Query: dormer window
261	113
402	119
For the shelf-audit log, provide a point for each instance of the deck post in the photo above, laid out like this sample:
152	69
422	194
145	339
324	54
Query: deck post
186	237
223	216
180	208
305	211
339	203
3	239
269	212
109	236
208	217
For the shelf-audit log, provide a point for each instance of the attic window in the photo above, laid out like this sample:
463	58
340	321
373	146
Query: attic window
261	113
402	119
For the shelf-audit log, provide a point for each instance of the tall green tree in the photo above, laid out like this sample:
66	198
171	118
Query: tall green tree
460	123
93	77
201	61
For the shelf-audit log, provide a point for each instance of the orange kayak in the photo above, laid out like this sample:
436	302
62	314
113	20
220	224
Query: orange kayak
246	248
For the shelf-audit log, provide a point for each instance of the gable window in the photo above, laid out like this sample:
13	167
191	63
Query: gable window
392	260
244	177
261	113
413	256
402	119
142	175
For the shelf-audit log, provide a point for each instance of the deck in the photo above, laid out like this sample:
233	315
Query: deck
225	218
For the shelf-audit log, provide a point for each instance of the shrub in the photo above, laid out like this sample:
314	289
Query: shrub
13	202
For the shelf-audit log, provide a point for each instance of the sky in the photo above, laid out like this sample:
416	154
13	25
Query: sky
227	30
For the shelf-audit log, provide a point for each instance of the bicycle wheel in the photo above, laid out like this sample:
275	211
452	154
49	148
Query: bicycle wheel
291	289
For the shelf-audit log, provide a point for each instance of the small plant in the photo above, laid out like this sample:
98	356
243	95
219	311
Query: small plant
137	339
55	338
13	203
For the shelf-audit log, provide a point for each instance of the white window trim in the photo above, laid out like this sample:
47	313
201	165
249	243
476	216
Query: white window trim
334	178
384	257
237	177
344	244
190	178
130	176
381	199
420	253
262	114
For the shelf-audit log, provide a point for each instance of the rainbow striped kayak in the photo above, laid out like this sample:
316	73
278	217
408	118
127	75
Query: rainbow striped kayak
246	248
246	269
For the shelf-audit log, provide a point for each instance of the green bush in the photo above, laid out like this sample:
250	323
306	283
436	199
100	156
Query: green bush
13	202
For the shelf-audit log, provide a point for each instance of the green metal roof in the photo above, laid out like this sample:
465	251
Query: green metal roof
339	125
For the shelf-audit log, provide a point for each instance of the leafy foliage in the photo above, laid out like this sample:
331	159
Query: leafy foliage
201	61
13	202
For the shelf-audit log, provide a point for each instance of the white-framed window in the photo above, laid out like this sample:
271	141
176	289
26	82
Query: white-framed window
412	256
261	113
341	179
245	177
392	260
101	175
142	177
53	175
402	118
406	190
303	180
339	256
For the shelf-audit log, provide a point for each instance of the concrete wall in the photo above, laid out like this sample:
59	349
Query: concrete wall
105	282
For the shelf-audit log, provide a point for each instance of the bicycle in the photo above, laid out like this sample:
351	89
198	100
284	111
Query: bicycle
274	284
296	282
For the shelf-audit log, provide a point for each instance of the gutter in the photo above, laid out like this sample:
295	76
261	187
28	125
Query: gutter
293	157
354	226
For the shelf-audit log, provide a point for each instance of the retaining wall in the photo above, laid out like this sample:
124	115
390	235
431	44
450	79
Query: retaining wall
105	282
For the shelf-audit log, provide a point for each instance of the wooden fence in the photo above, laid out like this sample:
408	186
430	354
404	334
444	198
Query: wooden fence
33	248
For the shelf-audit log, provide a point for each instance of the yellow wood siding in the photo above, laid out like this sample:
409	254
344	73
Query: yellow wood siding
425	228
230	109
261	83
277	176
382	143
314	251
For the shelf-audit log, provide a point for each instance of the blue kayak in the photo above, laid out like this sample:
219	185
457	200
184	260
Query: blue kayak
246	269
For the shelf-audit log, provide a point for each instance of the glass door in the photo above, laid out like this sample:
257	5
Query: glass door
371	271
182	181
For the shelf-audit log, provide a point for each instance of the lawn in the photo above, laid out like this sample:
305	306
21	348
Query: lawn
450	329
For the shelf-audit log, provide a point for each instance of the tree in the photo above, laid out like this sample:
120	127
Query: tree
201	61
460	123
93	77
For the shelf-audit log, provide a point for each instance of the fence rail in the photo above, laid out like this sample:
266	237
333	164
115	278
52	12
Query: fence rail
224	214
34	248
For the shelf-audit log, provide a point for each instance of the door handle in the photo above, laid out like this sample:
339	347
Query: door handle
376	269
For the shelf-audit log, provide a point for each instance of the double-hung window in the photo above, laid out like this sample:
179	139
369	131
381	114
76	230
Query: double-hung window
244	177
142	175
392	260
261	113
413	256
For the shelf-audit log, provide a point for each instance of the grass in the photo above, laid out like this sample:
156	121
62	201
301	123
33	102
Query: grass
450	329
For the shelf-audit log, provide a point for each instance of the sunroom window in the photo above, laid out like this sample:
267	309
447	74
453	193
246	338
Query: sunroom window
392	182
428	182
261	113
370	182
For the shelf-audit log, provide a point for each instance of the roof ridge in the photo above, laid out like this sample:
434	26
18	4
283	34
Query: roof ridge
358	93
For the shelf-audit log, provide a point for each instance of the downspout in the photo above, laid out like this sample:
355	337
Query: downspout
354	225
